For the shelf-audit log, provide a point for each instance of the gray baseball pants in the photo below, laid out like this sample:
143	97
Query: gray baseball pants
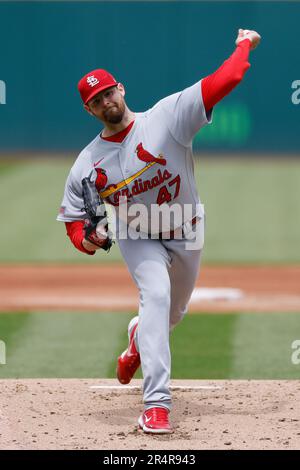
165	273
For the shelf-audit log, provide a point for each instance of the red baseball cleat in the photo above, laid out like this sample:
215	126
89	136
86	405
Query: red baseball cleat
156	421
129	361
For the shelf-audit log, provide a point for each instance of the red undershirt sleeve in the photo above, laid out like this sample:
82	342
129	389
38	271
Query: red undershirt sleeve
75	233
227	77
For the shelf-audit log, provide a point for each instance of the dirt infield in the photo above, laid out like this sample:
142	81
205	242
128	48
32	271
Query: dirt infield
67	414
110	287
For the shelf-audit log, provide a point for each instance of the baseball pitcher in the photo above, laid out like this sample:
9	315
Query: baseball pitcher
145	160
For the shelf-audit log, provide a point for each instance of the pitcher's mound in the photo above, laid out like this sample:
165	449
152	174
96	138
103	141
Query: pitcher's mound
101	414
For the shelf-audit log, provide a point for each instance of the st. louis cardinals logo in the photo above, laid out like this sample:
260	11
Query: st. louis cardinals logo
146	156
92	81
140	186
101	179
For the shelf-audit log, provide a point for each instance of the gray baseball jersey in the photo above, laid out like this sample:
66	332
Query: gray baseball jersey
152	166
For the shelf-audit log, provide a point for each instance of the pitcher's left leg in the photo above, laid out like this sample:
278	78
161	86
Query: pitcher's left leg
183	272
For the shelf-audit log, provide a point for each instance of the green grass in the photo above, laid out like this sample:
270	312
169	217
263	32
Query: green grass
252	206
60	344
202	346
206	346
253	210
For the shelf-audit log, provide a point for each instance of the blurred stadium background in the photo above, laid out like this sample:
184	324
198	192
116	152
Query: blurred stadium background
247	168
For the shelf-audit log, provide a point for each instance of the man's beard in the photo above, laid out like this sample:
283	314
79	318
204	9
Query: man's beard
114	115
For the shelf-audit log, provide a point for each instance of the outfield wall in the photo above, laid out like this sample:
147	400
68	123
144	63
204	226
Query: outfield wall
155	49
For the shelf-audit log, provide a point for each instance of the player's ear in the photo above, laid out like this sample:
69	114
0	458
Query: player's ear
87	108
121	88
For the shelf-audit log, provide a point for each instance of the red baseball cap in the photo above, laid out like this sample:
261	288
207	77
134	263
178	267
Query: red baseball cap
94	82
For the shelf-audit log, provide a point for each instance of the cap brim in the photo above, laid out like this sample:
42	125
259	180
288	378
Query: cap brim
95	92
